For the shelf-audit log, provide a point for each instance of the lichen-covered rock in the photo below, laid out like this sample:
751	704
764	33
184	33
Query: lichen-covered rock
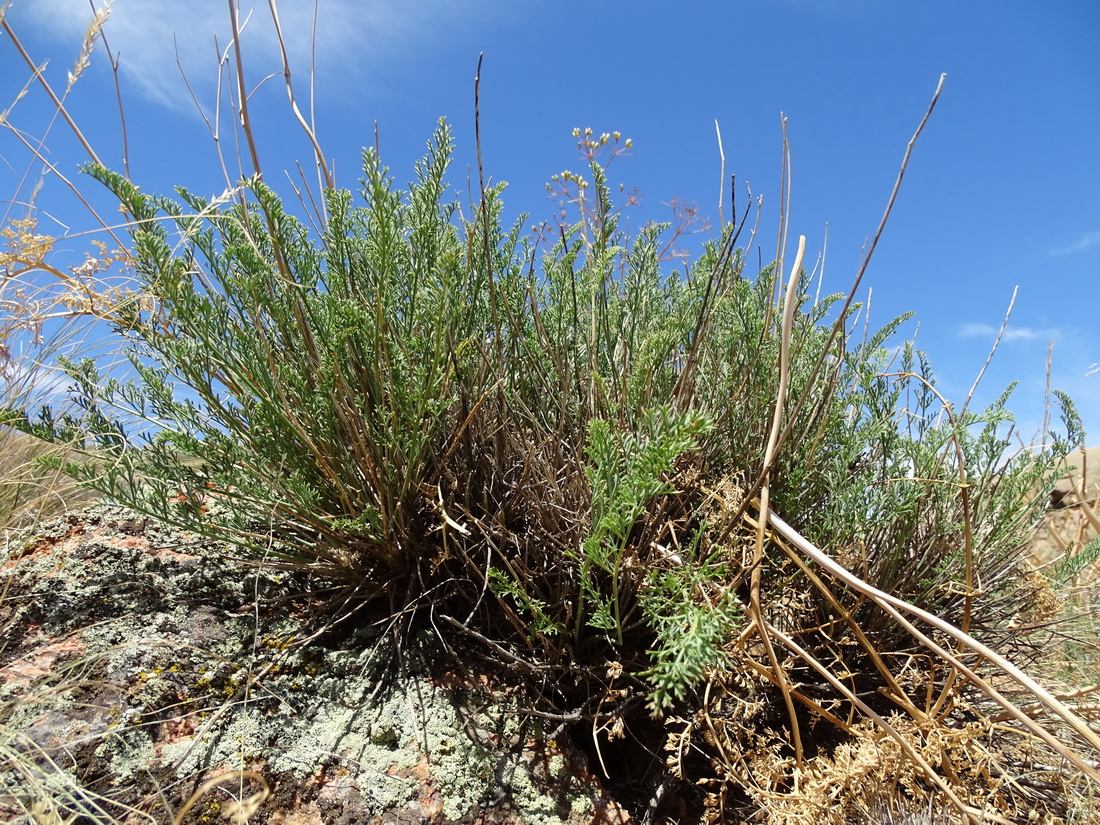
139	662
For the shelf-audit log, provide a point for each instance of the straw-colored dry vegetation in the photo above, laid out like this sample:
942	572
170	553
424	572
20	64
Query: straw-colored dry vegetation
738	546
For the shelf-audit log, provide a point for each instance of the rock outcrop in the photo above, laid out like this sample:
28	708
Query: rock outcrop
139	666
1071	522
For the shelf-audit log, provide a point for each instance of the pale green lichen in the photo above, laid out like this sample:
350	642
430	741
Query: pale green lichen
129	749
410	722
179	638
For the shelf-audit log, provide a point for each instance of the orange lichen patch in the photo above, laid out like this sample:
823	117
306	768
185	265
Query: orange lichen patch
131	542
302	813
59	546
133	537
610	812
427	795
167	553
171	731
27	669
128	535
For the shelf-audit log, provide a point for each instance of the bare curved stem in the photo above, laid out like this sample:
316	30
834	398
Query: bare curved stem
790	304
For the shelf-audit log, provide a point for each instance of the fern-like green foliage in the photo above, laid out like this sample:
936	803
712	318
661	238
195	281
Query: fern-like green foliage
626	471
441	410
691	632
1070	567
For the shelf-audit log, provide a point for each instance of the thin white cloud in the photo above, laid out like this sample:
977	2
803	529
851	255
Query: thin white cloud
355	39
1083	242
982	330
28	384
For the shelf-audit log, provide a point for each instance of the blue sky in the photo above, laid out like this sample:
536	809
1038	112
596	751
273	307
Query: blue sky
1002	190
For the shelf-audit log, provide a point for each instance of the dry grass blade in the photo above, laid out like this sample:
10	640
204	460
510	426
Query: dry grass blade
790	304
93	30
883	724
242	94
238	811
992	350
895	606
842	317
319	155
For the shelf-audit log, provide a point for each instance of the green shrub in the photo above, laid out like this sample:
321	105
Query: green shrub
566	456
563	452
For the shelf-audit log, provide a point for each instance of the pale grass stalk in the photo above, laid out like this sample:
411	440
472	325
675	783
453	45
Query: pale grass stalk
1047	394
313	210
242	95
992	351
115	60
897	693
322	164
721	179
237	811
842	316
895	606
214	127
59	106
1090	516
784	207
1036	709
790	305
820	266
